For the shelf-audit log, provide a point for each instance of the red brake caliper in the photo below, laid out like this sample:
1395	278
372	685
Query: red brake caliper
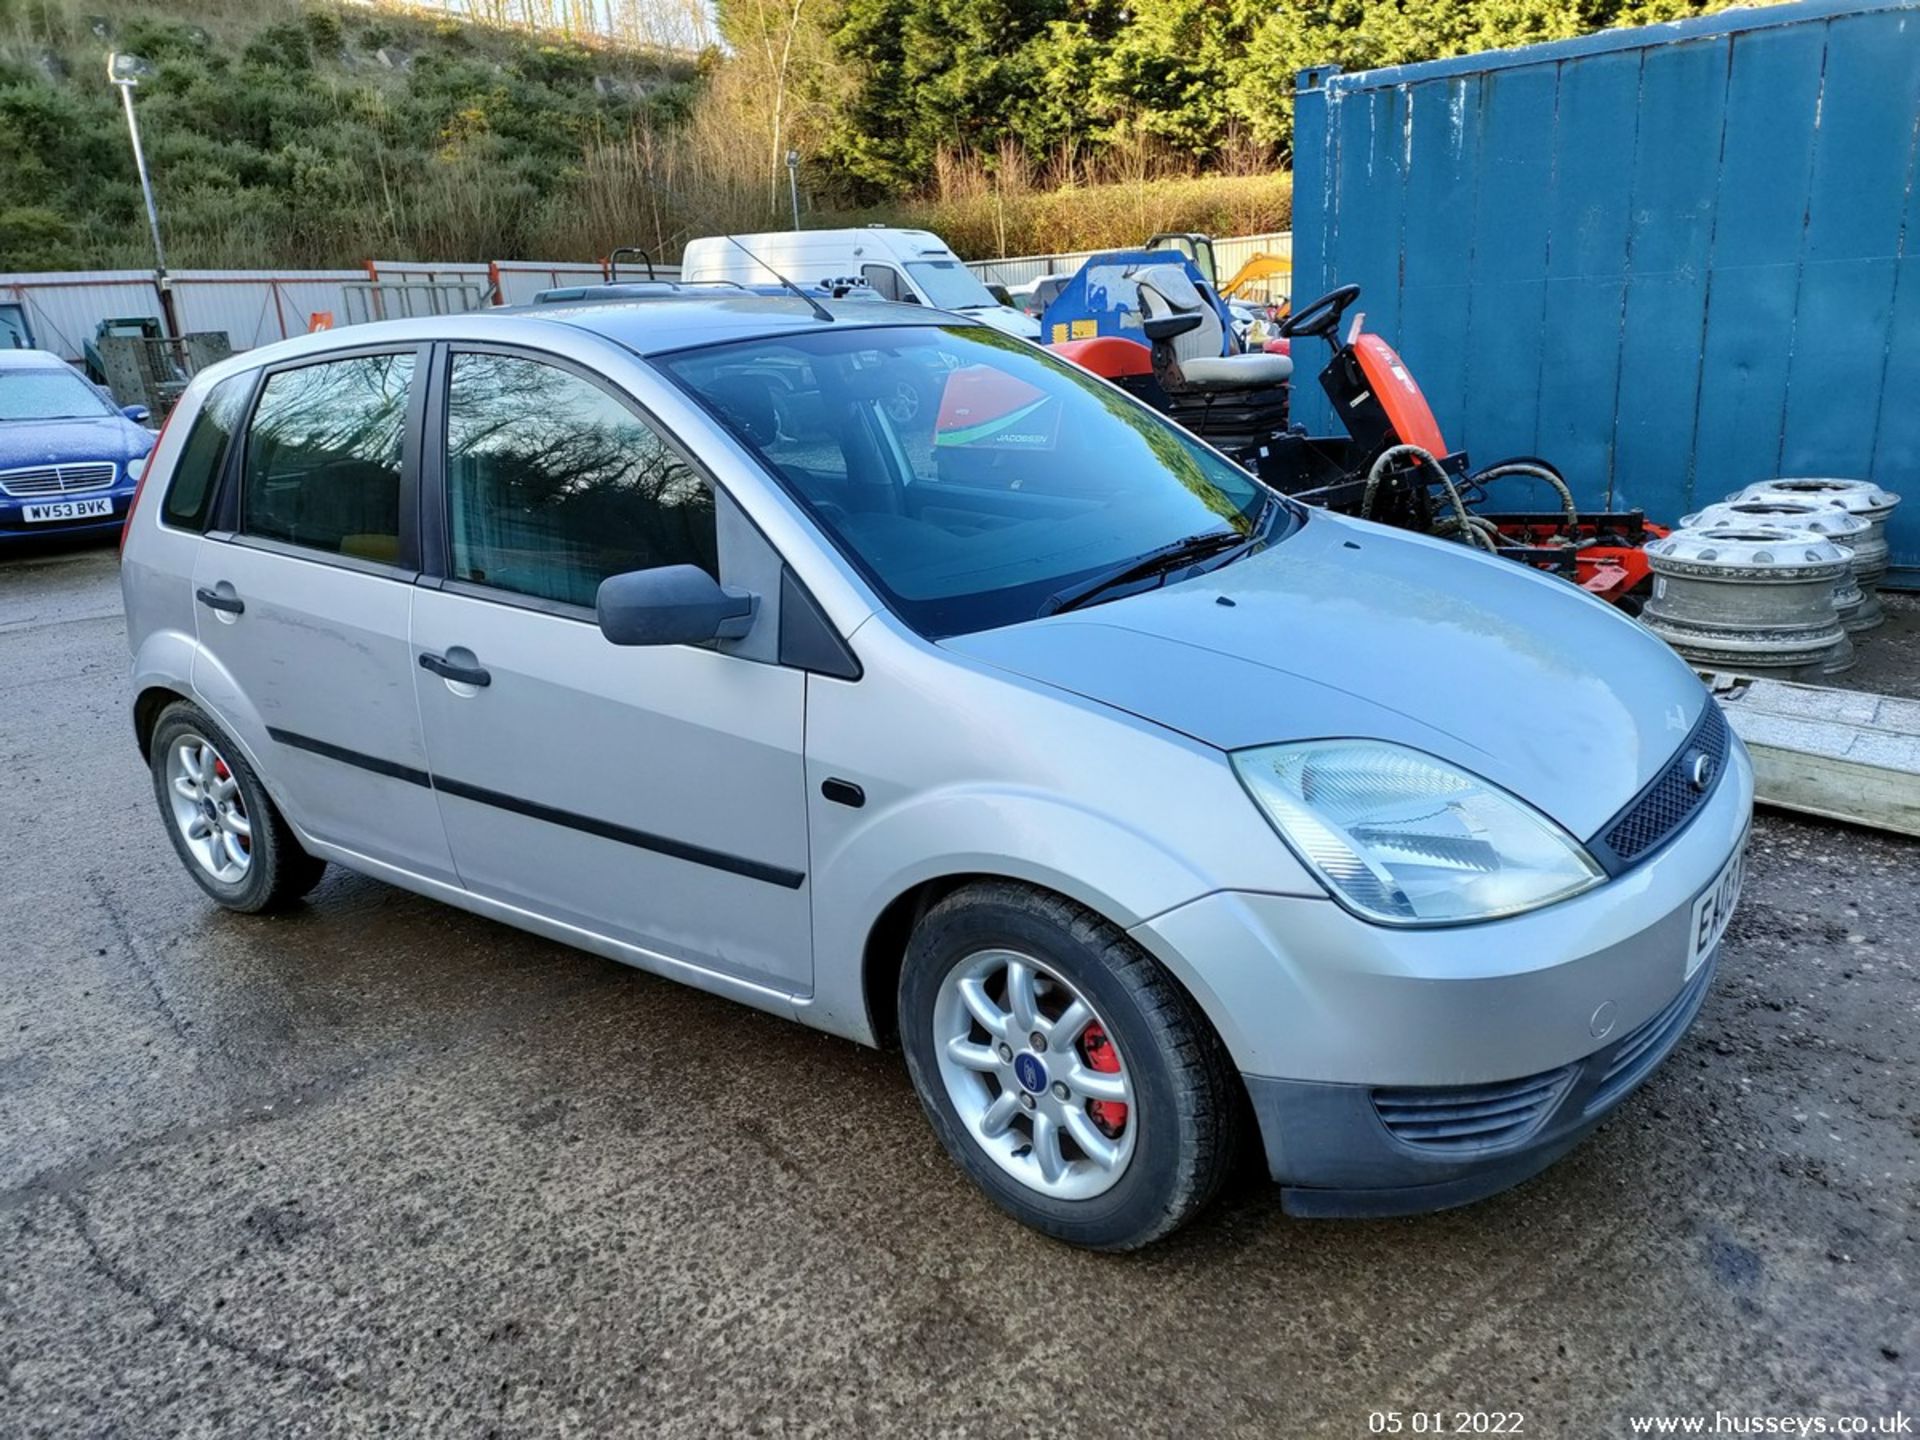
220	772
1109	1115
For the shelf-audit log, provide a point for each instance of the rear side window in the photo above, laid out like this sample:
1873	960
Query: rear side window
553	484
195	477
323	457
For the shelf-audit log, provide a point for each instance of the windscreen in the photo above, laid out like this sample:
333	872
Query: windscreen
949	285
970	476
48	395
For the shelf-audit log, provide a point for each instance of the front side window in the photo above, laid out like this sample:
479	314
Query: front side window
323	457
553	484
970	476
885	282
191	490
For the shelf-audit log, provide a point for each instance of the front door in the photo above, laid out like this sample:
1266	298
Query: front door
304	607
653	795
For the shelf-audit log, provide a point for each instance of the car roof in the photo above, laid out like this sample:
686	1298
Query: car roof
652	327
646	327
32	360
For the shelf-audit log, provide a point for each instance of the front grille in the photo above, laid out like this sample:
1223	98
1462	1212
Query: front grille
43	480
1469	1118
1647	1047
1669	802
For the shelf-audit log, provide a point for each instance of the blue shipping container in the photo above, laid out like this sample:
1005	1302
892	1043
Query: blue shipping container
1673	260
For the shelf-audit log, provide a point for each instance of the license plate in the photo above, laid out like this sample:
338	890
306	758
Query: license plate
1715	907
67	510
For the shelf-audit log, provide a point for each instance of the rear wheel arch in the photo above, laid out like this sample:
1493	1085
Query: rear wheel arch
147	706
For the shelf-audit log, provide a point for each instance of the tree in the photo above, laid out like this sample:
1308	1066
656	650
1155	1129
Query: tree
933	75
1169	71
1294	35
782	82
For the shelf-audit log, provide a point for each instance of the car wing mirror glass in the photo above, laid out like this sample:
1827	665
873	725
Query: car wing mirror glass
672	605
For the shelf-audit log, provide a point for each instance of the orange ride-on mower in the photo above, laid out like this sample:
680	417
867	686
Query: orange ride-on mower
1392	465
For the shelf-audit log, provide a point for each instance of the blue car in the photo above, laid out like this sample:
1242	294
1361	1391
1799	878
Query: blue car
69	460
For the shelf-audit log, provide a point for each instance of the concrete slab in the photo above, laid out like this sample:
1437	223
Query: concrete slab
1840	753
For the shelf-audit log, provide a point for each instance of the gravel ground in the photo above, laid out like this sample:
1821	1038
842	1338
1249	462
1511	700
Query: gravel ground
379	1166
1888	660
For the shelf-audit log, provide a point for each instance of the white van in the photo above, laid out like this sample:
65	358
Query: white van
915	266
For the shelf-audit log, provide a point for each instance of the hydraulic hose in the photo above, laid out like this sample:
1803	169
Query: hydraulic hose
1538	471
1463	521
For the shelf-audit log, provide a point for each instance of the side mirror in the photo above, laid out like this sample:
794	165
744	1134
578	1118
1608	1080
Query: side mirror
139	414
1165	327
671	605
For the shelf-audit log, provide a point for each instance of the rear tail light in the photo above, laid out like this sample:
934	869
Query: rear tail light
146	473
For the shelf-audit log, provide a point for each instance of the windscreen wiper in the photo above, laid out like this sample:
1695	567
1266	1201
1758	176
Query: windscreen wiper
1154	562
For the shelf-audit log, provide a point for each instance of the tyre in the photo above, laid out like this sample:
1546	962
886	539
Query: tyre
230	836
1063	1069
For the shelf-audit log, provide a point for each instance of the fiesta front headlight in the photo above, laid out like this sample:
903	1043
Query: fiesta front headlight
1406	839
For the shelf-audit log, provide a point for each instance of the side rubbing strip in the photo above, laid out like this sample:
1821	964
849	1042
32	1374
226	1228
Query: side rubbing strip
587	824
607	830
354	758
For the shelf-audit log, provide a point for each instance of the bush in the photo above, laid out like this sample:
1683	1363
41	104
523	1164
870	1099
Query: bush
35	238
155	40
325	33
559	65
280	47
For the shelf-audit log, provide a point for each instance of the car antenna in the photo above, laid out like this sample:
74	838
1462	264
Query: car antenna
820	311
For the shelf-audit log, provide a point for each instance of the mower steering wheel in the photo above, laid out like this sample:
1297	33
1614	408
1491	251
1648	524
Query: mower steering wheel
1322	317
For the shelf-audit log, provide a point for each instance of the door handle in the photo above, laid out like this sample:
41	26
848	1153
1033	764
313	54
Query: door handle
460	674
214	600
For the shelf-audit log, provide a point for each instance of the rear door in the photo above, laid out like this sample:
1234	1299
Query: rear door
305	591
652	795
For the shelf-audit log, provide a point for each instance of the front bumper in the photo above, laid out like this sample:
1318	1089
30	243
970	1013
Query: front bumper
1329	1019
14	525
1357	1150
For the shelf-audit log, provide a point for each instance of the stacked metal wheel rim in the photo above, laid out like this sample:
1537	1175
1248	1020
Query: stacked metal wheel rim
1753	599
1861	498
1836	523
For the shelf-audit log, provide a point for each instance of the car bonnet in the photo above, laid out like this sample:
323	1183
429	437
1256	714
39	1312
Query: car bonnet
1348	629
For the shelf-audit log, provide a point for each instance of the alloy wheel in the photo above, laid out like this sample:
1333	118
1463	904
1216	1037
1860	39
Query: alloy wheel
904	403
209	809
1034	1076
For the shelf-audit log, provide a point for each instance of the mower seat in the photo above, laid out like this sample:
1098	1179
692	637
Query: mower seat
1188	337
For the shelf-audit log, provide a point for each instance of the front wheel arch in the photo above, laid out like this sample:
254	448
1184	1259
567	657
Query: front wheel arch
1153	1019
892	929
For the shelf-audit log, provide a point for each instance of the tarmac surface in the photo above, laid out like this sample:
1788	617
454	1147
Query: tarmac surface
378	1166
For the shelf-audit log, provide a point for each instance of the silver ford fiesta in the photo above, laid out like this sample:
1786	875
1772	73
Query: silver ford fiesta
877	669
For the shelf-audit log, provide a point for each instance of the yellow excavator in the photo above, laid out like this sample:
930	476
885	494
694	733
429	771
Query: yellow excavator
1263	266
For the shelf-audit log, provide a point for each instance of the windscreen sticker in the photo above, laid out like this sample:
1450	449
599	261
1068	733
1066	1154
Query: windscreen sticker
987	409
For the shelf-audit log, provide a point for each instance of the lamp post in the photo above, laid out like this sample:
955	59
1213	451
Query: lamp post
793	184
123	71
